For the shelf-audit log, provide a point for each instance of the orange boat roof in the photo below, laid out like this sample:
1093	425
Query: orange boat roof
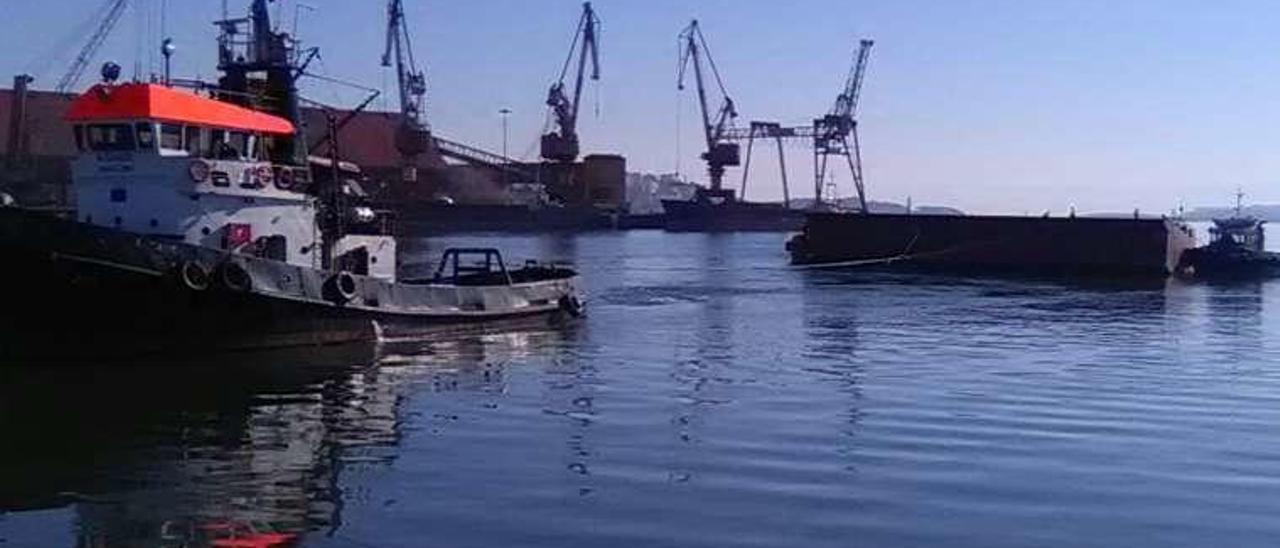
157	102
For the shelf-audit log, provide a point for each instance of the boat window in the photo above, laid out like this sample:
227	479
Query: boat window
146	136
193	140
79	131
216	139
171	136
240	142
254	147
109	137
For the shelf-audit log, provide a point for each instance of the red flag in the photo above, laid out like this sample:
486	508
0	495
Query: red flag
236	235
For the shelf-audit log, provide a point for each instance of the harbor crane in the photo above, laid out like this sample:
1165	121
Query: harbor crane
108	16
721	152
413	136
561	145
836	134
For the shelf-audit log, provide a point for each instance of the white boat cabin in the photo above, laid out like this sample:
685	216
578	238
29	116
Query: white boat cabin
169	163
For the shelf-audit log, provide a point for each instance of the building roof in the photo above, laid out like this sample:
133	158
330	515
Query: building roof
47	133
367	139
157	102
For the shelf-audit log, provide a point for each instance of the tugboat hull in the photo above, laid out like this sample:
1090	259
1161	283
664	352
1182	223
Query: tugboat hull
81	289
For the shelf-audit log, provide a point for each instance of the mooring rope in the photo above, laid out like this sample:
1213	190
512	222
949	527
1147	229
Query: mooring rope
905	255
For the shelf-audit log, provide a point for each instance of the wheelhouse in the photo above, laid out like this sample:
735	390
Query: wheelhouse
167	162
155	119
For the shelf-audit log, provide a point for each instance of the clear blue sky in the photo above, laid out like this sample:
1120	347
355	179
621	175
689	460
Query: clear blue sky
993	106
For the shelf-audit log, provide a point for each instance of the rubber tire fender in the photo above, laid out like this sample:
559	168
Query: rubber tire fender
233	277
193	275
341	287
572	305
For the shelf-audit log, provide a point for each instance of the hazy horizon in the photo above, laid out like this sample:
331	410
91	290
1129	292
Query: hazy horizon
994	106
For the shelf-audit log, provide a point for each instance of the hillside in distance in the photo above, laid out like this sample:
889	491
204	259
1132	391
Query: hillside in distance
1266	212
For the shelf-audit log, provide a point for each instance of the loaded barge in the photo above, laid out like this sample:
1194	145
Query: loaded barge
994	243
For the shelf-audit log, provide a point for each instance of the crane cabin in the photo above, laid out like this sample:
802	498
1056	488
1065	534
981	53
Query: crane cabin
168	163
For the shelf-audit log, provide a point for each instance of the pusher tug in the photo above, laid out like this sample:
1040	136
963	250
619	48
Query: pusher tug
203	224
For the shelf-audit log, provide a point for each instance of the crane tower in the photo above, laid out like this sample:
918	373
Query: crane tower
721	152
561	145
413	136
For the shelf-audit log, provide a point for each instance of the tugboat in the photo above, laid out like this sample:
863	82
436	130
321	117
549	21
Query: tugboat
1236	249
201	223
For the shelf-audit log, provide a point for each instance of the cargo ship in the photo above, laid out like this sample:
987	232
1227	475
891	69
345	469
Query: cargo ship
994	243
712	211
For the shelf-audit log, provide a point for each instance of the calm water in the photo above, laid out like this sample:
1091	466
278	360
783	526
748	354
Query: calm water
713	397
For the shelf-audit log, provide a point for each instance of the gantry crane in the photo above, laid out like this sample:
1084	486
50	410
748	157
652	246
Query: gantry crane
413	136
720	152
832	133
561	145
107	16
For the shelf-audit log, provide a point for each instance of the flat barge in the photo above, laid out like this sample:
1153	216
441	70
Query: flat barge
994	243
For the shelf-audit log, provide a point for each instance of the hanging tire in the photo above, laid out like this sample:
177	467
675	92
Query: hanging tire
572	305
234	277
194	276
340	287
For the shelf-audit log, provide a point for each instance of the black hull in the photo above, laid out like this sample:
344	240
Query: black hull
978	244
1215	263
82	291
706	216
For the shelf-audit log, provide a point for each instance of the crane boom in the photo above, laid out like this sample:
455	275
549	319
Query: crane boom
562	145
111	13
847	102
720	153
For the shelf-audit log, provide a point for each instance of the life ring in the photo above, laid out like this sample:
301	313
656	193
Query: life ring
198	171
285	180
572	305
234	277
194	276
340	287
265	175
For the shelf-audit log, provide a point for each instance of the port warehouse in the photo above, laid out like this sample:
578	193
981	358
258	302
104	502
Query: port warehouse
37	154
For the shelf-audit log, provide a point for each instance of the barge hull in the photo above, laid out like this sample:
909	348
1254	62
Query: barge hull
703	216
1070	246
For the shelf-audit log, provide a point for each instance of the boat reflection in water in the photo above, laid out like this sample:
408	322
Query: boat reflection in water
167	453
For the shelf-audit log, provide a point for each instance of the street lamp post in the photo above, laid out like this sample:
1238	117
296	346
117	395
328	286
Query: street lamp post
506	114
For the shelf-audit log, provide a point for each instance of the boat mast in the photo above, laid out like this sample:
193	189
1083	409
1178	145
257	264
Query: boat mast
247	48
